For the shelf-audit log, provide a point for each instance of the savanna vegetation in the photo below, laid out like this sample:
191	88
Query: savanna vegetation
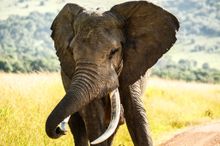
187	70
27	99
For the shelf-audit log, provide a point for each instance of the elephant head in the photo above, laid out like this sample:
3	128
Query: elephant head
100	52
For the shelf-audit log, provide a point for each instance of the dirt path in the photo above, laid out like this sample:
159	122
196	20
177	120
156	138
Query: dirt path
205	135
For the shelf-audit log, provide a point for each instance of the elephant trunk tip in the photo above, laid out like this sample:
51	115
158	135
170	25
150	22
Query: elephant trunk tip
53	132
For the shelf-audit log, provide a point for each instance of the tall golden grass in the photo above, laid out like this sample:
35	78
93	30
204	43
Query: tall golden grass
27	99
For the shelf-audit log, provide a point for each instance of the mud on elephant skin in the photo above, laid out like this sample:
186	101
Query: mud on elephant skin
102	56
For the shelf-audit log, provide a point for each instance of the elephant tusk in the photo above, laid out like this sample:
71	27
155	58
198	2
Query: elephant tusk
115	116
63	124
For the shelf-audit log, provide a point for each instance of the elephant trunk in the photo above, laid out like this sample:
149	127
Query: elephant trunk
72	102
81	92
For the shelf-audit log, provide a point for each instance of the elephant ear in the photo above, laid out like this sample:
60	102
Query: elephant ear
63	33
149	31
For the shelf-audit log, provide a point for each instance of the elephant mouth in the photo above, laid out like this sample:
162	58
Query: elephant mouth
115	117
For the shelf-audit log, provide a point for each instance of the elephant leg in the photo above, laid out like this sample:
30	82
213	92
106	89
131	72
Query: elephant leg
107	106
135	114
94	116
78	130
76	123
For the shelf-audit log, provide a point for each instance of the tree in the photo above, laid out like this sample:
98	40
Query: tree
5	66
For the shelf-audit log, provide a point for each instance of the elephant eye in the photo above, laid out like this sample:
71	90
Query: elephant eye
113	51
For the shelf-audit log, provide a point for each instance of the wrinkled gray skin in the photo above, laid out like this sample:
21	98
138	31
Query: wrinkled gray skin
100	52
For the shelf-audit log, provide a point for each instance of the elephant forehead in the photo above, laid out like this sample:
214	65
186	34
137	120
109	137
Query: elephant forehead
98	31
91	21
97	37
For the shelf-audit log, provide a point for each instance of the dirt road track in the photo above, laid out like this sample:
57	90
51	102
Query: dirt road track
205	135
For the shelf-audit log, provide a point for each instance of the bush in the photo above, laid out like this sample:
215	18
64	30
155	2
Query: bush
187	70
5	66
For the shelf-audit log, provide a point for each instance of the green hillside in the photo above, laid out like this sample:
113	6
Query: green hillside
196	55
199	35
26	46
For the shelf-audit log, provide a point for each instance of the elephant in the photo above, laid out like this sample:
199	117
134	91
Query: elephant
103	57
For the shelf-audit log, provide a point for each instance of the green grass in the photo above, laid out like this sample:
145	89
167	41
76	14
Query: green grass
27	99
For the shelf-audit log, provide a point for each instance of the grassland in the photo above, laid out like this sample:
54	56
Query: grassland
27	99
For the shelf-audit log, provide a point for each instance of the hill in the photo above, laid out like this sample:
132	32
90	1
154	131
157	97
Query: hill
25	43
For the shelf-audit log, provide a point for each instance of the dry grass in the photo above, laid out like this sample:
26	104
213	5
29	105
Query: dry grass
27	99
173	105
